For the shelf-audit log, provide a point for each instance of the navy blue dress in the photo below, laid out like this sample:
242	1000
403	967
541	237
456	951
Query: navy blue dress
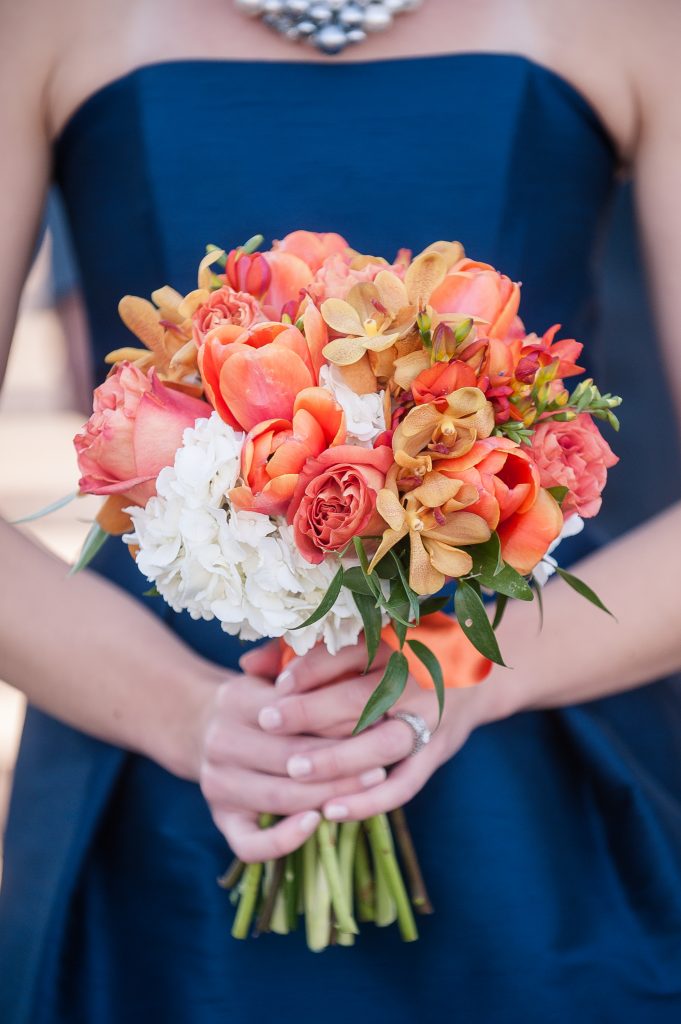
552	841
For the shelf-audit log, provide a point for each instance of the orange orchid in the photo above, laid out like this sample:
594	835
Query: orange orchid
432	516
276	450
448	427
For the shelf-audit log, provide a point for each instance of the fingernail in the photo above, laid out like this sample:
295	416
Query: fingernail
285	681
373	777
269	718
335	812
309	821
298	766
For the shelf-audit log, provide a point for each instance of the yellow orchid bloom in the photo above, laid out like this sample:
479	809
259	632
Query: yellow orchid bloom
433	517
450	433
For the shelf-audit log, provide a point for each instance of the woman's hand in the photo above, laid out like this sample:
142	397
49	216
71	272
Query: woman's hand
243	770
319	692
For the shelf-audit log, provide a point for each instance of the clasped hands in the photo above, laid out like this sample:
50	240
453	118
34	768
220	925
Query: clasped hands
282	743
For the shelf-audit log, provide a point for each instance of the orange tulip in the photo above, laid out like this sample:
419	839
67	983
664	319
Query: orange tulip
276	450
254	375
510	498
478	290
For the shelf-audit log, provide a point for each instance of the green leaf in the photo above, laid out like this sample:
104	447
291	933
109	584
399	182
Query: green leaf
371	617
581	588
386	568
411	595
95	540
559	493
355	580
486	557
509	583
364	563
327	602
53	507
425	655
470	611
400	628
397	605
387	693
152	592
500	608
222	261
433	604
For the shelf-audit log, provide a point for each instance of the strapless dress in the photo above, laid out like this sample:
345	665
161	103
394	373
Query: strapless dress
552	841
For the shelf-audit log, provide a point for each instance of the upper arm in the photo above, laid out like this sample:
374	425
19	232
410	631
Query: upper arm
25	165
657	180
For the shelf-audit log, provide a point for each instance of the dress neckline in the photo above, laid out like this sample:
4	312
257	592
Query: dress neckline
102	92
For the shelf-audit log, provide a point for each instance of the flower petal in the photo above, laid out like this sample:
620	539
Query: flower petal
461	528
391	292
344	351
435	490
390	539
390	508
341	317
448	560
424	578
424	275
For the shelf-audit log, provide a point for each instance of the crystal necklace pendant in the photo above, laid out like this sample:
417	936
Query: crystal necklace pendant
328	25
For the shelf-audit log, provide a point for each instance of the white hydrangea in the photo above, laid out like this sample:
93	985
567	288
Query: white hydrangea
546	568
242	568
364	415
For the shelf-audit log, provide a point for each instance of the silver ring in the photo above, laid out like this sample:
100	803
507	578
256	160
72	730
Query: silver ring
422	733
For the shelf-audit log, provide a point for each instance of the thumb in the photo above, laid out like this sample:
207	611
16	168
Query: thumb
264	660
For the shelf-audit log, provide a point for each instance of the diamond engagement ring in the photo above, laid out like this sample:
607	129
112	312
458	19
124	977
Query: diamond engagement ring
422	733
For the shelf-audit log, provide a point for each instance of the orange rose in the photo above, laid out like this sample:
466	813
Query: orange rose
511	500
275	451
335	498
440	380
478	290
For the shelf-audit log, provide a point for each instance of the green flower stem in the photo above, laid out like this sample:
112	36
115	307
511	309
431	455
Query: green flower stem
386	911
274	877
317	898
384	856
280	921
326	838
364	880
232	874
417	886
250	888
347	844
292	880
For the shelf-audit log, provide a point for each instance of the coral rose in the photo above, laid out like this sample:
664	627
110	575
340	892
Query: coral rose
478	290
135	430
225	306
275	451
511	498
335	499
575	455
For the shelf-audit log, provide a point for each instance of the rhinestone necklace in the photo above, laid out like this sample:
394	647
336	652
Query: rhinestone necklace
329	25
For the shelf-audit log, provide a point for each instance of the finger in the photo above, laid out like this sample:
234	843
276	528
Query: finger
385	744
264	660
318	667
319	709
251	748
240	788
401	785
252	844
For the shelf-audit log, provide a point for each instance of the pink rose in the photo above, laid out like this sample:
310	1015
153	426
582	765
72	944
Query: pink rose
226	306
574	455
335	498
134	431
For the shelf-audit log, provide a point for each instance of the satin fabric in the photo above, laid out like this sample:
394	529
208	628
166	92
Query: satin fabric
552	841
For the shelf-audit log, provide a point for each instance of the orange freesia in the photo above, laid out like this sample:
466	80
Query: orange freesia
510	498
276	450
478	290
255	375
440	380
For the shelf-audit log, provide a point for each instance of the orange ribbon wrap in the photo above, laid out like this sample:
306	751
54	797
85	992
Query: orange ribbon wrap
461	664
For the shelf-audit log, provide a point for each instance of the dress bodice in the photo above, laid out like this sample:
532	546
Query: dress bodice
494	150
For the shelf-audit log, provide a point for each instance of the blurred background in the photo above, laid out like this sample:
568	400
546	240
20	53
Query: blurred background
47	395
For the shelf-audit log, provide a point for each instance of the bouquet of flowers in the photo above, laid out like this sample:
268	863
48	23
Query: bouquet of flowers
310	446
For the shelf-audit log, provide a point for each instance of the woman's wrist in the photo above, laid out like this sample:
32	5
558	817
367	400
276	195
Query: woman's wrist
177	741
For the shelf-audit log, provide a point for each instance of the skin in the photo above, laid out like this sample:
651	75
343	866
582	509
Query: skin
288	749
